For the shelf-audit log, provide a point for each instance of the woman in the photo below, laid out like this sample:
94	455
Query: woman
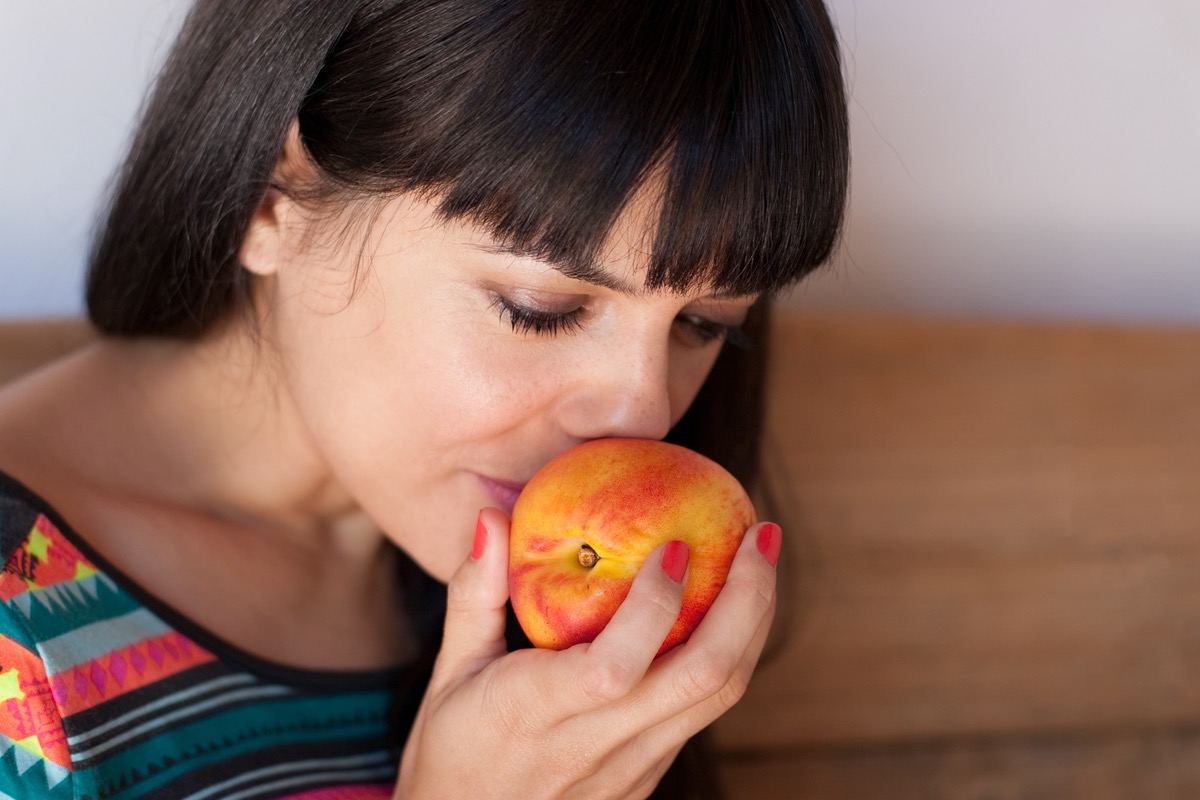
369	265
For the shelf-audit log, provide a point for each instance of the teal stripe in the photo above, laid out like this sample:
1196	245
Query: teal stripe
32	782
244	730
67	606
14	626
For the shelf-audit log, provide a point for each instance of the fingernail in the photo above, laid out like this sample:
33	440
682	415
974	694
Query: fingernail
481	537
770	538
675	560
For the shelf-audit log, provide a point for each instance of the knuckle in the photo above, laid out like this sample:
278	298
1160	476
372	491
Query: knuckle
760	586
714	681
701	677
459	596
664	601
607	680
734	689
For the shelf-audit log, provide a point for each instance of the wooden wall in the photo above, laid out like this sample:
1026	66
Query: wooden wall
993	585
27	344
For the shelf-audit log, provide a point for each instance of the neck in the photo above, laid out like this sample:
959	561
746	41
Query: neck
209	431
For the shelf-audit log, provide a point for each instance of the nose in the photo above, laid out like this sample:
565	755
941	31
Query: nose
622	392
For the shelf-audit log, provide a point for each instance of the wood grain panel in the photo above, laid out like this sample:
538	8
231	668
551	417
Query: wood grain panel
992	530
1144	765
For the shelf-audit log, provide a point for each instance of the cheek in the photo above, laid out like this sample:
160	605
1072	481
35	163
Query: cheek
687	374
406	394
344	363
480	380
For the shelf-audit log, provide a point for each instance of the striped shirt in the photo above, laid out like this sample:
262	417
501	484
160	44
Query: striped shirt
106	693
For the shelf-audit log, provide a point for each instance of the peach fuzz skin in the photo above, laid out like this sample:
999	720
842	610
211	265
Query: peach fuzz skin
622	498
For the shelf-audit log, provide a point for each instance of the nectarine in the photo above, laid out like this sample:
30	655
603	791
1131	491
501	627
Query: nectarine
585	523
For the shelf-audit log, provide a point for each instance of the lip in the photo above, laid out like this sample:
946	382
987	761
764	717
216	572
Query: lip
503	492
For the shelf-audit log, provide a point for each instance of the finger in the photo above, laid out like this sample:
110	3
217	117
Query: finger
709	672
696	718
475	604
748	596
617	660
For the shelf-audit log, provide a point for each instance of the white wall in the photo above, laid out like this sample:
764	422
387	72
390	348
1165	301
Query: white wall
1011	157
72	74
1021	157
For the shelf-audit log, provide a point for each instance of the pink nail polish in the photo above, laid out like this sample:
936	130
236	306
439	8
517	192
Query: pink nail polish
481	537
770	539
675	560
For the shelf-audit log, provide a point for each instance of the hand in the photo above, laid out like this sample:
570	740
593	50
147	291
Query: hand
598	720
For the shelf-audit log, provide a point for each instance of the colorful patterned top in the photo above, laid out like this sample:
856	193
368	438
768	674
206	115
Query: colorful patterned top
107	693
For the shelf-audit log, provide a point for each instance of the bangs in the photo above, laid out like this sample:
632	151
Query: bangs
540	121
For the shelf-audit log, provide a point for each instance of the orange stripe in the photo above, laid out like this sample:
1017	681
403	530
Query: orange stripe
89	684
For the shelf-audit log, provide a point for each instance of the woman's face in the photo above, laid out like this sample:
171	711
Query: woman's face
453	370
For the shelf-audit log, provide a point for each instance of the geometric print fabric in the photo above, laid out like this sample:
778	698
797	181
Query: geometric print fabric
106	694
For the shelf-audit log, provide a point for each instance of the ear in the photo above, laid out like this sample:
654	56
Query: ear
275	222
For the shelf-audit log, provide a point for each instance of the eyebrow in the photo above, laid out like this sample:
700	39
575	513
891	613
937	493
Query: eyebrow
586	271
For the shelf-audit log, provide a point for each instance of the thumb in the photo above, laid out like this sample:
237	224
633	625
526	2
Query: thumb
476	600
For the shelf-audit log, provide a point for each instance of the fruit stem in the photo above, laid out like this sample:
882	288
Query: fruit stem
587	556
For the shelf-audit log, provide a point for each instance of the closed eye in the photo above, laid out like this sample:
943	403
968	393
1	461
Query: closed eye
698	331
527	320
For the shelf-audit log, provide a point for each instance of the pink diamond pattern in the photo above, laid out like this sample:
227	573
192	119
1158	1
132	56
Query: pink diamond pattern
118	667
156	652
139	661
59	687
86	685
99	678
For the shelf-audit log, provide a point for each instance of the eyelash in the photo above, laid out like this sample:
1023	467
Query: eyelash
528	320
551	323
710	331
